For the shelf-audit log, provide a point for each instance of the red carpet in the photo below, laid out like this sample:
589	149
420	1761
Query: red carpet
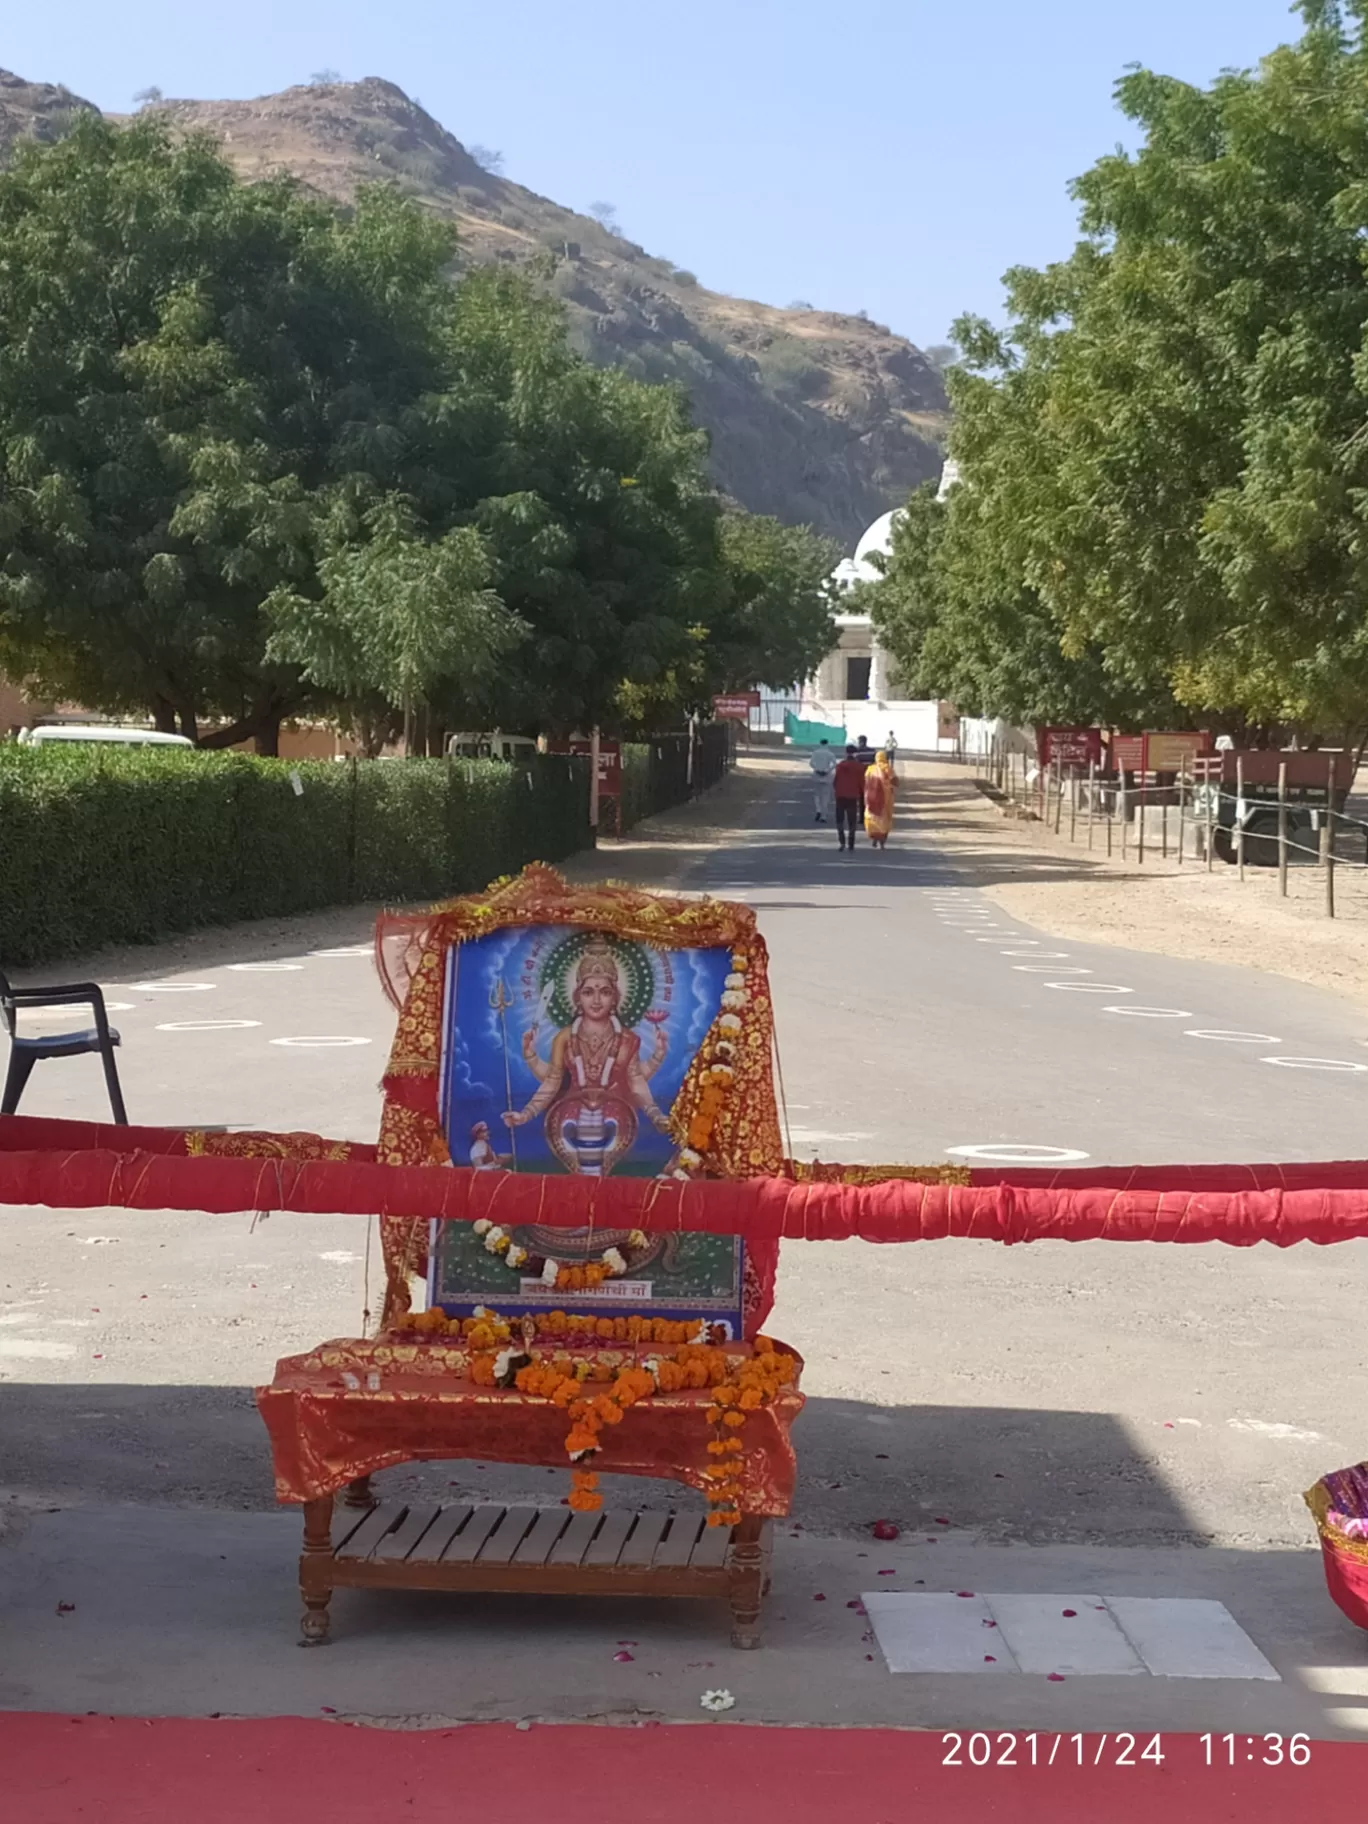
125	1770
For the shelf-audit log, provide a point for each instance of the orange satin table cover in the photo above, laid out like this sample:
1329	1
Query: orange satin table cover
324	1433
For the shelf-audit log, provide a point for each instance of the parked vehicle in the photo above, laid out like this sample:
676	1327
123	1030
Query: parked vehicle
100	734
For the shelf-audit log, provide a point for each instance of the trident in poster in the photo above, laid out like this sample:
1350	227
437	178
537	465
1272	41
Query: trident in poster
500	1000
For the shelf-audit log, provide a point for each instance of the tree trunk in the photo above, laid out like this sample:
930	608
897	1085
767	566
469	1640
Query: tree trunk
261	721
267	738
188	725
163	716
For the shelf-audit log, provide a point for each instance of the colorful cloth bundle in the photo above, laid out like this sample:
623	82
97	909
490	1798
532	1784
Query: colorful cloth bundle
1339	1502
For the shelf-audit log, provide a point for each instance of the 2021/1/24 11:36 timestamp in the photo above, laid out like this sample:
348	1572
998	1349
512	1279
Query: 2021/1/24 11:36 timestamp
1267	1750
1008	1748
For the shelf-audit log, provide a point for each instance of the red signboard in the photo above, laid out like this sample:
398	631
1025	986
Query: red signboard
1128	753
737	707
609	762
1069	746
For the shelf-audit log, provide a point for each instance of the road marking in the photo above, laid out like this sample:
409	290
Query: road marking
1091	987
36	1351
1039	955
345	950
1048	968
1010	1152
1315	1063
263	968
1152	1013
1232	1038
1266	1428
206	1025
321	1043
340	1256
170	987
67	1013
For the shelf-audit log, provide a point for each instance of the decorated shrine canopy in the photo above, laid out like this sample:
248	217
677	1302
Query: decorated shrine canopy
80	1165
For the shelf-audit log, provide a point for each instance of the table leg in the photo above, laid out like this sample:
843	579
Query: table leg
359	1493
747	1580
314	1586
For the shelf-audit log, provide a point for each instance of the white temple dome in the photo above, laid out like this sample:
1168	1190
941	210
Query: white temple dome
879	540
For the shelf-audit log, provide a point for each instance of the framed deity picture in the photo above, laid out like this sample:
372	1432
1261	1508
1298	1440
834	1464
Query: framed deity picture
563	1050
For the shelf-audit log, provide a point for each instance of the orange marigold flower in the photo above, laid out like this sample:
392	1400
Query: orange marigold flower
584	1503
751	1398
733	1418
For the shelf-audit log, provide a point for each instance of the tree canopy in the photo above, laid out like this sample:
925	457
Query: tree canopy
259	458
1164	456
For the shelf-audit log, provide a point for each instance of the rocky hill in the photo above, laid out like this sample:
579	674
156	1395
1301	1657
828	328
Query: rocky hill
815	417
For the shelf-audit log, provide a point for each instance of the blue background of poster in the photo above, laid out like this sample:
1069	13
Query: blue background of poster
681	989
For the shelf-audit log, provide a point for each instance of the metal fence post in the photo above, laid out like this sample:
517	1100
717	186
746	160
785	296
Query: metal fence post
1282	828
1328	840
1239	812
1121	810
1092	795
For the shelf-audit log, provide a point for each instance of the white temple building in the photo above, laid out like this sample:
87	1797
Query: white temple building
856	686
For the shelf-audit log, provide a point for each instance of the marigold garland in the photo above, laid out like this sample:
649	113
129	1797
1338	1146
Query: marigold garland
596	1394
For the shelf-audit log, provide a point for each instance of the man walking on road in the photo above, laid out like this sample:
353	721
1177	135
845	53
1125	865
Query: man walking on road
849	783
823	763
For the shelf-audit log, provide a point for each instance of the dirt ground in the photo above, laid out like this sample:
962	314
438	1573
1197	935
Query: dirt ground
1073	892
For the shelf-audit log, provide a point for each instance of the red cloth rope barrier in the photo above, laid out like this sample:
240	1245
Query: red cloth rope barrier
76	1165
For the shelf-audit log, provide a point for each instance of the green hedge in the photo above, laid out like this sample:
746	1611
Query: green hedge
102	847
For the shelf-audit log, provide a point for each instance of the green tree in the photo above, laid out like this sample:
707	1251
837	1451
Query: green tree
1162	457
399	615
193	371
777	623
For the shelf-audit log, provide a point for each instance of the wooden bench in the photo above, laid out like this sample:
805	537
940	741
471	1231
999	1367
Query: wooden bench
548	1551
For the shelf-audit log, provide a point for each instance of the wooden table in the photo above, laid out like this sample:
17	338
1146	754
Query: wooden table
349	1408
548	1551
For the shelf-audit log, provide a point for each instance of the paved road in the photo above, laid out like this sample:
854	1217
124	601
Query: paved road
1099	1393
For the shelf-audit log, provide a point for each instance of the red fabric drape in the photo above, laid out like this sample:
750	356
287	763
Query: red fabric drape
74	1165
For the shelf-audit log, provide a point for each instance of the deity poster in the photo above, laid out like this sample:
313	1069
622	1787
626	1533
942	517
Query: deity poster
563	1051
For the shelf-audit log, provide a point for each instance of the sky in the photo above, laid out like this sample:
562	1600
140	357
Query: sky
895	157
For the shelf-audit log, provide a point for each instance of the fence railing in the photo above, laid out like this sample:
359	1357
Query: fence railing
1190	815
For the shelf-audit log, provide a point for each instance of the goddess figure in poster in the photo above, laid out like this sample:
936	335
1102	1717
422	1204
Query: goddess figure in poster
595	1081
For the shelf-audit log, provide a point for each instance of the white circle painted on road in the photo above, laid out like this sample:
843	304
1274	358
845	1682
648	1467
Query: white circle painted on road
321	1043
1090	987
263	968
1153	1013
206	1025
345	950
1009	1153
1047	968
1232	1038
1038	954
170	987
1315	1063
70	1012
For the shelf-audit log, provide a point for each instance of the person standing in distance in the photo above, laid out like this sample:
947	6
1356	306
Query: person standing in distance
849	784
823	763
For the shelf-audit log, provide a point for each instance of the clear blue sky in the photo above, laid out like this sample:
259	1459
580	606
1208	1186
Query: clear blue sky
895	156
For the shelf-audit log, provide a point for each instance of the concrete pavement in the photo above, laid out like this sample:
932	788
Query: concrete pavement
1071	1411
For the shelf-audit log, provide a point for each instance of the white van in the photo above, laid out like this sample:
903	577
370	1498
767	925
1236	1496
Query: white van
104	734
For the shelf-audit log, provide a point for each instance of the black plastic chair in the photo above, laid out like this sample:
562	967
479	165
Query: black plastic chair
25	1053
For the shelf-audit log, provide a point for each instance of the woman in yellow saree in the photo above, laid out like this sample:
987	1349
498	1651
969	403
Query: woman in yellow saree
880	789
